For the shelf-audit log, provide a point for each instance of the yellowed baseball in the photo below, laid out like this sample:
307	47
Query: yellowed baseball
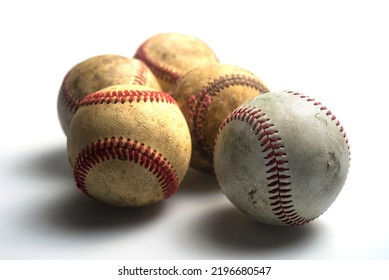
206	95
129	145
96	73
171	55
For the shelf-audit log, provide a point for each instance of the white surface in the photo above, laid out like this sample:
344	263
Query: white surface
335	51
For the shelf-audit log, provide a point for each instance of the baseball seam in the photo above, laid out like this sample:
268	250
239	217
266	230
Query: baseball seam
69	99
160	70
122	96
125	149
73	103
328	113
199	103
275	162
140	77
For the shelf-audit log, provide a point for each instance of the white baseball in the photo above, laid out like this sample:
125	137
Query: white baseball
282	158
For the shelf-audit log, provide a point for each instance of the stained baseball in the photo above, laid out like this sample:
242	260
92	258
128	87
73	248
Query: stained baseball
129	145
206	95
282	158
96	73
171	55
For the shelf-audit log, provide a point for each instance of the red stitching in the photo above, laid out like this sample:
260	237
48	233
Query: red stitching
122	96
67	94
140	77
272	148
328	113
73	103
126	149
198	106
161	71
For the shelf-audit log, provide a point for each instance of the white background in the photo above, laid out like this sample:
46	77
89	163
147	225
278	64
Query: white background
334	51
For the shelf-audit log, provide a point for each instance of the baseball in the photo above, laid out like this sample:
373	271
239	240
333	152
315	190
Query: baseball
206	95
171	55
282	158
96	73
129	145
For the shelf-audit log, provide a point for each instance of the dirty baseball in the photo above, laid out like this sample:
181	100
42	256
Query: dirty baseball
282	158
206	95
129	145
96	73
171	55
